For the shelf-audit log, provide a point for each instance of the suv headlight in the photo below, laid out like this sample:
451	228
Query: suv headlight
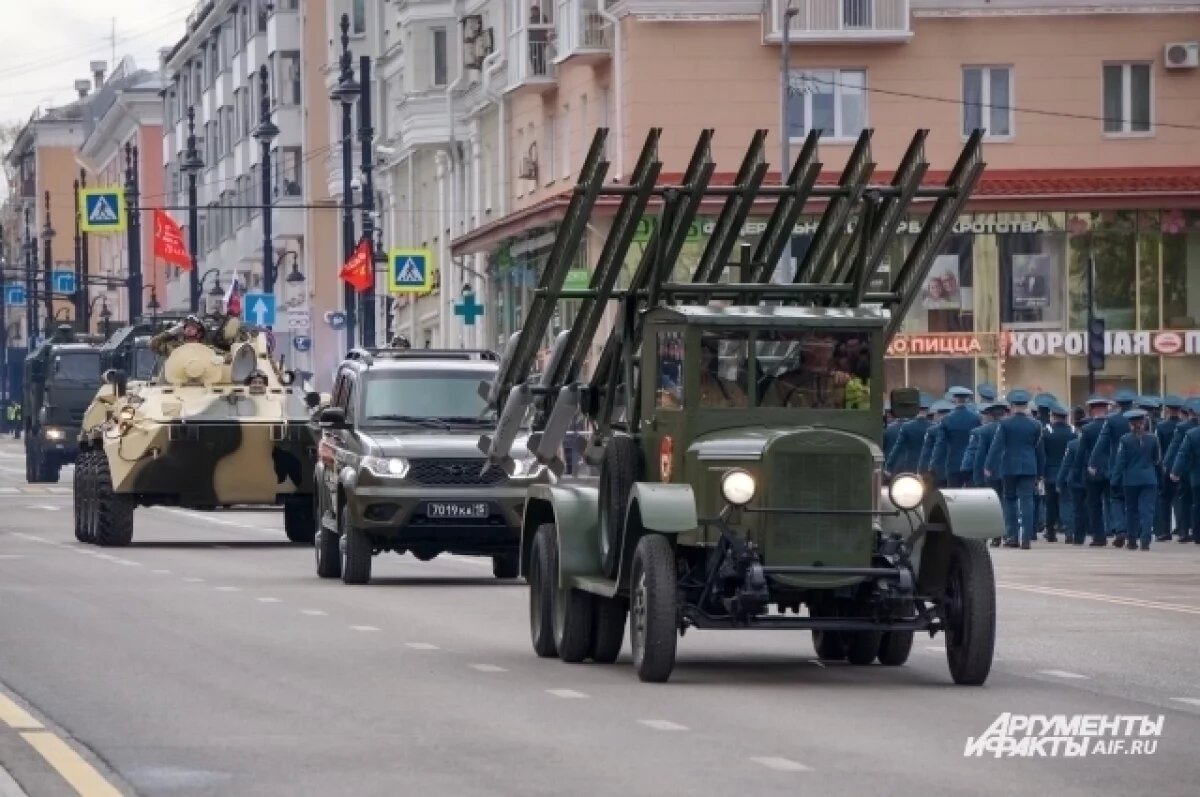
737	486
906	491
527	468
55	434
392	467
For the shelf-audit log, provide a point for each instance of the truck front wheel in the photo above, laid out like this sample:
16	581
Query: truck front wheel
653	614
969	609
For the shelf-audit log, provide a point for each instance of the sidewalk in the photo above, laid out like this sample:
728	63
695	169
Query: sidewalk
8	786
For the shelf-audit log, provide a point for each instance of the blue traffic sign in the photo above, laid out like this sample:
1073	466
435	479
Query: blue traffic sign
337	320
64	281
260	309
103	210
14	294
410	271
468	309
302	343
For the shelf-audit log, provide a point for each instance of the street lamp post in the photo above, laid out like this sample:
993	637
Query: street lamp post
83	308
785	72
135	231
346	92
78	240
48	256
192	164
153	304
31	317
366	136
265	133
105	316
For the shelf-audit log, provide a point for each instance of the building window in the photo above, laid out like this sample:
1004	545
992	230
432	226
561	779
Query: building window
358	17
287	79
440	76
287	163
550	136
1127	98
987	100
833	101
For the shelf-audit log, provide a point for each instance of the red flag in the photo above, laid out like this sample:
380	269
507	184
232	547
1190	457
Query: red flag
168	241
359	270
233	296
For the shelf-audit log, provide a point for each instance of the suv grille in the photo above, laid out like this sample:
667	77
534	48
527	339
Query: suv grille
454	472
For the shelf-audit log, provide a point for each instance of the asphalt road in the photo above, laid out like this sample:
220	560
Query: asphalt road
208	659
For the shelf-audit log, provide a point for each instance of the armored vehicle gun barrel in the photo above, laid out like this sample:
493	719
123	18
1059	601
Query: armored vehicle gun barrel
735	414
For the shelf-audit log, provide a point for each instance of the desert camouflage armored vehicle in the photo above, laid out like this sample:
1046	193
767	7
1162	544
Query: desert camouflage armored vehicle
737	428
212	428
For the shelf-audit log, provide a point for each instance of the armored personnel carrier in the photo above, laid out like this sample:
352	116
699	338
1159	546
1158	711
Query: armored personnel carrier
736	410
209	429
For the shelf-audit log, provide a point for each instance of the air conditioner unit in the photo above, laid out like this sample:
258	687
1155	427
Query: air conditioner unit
472	27
1181	55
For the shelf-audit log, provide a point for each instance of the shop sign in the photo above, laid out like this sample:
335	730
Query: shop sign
1117	343
977	225
942	344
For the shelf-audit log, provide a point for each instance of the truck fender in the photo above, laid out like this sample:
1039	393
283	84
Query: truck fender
574	511
666	509
972	513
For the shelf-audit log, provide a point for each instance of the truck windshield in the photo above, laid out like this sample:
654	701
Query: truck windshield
440	395
77	367
814	368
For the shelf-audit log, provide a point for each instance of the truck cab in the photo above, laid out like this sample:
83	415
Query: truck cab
60	380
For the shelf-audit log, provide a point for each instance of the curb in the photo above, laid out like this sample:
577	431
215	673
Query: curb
8	786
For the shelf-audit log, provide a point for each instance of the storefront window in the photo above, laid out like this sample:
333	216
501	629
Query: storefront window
1032	253
946	301
1180	269
1108	239
1149	245
936	375
1119	373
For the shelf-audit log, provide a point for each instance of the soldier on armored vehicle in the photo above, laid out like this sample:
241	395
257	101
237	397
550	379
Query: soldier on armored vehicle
191	330
737	427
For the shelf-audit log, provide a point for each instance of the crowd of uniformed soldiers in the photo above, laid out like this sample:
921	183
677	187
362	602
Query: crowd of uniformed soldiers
1125	470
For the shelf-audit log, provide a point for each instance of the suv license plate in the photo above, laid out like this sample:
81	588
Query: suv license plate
463	510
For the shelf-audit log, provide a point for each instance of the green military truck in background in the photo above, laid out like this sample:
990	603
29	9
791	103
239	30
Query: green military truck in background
61	376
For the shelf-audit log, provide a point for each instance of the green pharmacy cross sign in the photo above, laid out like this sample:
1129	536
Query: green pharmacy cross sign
468	309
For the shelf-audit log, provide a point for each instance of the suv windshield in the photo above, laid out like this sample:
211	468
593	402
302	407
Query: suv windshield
76	367
423	395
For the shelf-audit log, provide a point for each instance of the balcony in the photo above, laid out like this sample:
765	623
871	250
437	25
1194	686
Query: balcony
840	21
423	120
582	32
531	64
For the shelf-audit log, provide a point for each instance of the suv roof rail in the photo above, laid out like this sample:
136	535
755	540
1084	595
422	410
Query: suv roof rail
368	355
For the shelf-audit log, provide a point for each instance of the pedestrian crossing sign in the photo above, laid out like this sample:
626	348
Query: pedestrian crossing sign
410	271
103	209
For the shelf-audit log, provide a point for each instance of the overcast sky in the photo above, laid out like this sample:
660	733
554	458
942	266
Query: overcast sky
45	45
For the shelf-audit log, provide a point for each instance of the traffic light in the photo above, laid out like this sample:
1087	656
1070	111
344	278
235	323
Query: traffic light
1095	348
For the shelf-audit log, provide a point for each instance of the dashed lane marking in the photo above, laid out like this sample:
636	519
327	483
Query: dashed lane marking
421	646
162	572
314	612
194	580
268	600
43	507
16	717
68	763
12	556
663	725
363	628
781	764
228	589
1101	598
487	668
569	694
1063	674
1191	701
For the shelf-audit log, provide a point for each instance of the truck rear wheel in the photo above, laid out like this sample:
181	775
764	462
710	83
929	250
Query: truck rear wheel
619	470
828	645
112	513
543	575
653	613
572	623
356	551
608	628
299	520
970	612
894	647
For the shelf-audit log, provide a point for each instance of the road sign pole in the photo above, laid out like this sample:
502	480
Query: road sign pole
83	310
366	135
48	256
192	165
346	92
134	231
31	319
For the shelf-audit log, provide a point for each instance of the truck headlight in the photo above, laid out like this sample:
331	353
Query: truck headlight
394	467
55	434
906	491
737	486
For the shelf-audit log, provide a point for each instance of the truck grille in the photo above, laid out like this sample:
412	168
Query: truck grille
824	480
454	473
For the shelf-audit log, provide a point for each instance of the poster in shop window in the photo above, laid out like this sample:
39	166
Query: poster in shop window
942	290
1035	291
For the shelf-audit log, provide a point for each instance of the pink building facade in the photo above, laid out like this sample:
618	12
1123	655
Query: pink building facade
1092	119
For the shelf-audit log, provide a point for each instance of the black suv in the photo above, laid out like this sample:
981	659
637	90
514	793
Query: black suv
399	468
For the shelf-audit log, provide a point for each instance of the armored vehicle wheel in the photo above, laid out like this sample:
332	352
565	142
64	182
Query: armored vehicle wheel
608	628
894	647
299	520
506	566
82	463
112	514
328	554
970	612
828	645
653	615
356	552
543	567
620	468
572	623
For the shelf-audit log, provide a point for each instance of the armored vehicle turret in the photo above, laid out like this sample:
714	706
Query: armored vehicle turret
211	428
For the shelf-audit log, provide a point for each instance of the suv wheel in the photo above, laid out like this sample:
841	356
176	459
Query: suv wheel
356	551
328	554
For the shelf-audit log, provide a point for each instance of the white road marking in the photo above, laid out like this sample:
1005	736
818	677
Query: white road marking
228	589
163	572
817	662
569	694
194	580
364	628
781	764
1062	674
268	600
420	646
314	612
31	537
12	556
1094	596
1191	701
663	725
487	668
44	507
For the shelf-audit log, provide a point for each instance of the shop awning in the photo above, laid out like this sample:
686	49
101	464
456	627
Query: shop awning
1016	190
